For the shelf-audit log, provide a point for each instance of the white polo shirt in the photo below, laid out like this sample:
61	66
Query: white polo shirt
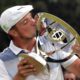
3	72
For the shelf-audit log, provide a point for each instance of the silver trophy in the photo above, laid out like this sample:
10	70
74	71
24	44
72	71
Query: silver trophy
59	33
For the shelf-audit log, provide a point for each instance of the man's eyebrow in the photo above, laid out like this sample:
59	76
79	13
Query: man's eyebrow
24	20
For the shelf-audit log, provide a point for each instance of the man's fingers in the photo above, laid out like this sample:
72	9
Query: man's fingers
27	71
23	62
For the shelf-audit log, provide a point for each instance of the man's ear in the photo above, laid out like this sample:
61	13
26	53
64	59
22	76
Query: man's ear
13	33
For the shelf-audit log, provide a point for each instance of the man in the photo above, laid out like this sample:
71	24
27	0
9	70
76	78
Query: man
19	24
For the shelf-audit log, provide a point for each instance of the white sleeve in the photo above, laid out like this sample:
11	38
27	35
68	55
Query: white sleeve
63	55
3	72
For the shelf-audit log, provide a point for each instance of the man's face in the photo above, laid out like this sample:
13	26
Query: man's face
26	27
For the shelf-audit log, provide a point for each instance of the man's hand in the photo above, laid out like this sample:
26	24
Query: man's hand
76	49
24	69
69	76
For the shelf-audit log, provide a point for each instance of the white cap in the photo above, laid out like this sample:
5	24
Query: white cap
12	15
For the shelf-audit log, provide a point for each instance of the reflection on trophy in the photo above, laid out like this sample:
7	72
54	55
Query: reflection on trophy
60	34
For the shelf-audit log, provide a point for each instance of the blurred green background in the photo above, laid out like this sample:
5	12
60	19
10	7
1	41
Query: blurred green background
68	10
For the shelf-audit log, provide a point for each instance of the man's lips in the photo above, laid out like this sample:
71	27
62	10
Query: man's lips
42	31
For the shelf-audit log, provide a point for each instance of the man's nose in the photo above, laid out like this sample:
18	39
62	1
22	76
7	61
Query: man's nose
33	21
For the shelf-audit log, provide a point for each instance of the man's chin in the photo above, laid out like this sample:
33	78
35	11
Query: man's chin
30	37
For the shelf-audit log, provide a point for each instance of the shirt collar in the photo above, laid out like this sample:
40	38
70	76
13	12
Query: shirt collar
16	50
